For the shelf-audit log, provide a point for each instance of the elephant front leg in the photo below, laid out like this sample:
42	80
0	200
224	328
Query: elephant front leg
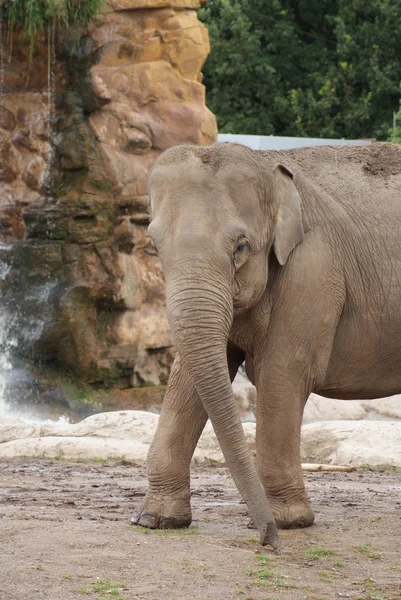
280	404
181	422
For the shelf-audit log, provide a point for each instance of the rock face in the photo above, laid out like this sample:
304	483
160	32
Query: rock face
82	286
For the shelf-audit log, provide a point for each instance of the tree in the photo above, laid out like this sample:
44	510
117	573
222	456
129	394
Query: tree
324	68
394	134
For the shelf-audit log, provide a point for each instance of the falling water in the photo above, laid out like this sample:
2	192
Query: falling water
6	341
5	363
20	327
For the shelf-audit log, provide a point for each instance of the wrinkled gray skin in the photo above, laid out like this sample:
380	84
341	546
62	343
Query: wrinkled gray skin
290	261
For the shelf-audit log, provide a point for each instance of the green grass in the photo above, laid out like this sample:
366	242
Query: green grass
326	576
367	550
105	589
277	583
317	552
261	573
338	564
266	577
165	532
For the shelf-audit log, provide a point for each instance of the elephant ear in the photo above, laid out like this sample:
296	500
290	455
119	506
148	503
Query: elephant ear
291	224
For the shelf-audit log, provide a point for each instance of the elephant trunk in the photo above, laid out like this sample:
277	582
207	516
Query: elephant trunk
200	315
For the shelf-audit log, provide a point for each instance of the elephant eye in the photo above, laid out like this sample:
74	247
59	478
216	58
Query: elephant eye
241	247
153	247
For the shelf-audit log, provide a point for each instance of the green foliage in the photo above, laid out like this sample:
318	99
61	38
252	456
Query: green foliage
324	68
394	134
316	553
32	17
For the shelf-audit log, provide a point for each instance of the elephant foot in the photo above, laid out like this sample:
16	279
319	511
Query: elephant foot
162	514
293	516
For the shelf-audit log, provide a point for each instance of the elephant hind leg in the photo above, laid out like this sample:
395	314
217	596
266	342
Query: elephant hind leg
249	369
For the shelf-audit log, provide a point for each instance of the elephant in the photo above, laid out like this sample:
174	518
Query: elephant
287	260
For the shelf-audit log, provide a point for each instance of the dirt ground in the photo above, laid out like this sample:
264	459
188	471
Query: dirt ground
65	535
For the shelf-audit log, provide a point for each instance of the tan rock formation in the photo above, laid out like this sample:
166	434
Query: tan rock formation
130	89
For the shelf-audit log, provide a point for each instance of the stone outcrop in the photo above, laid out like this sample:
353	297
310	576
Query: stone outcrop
128	434
115	435
354	443
84	289
323	409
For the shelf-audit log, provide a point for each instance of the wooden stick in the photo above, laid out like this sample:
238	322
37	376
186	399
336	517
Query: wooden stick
319	467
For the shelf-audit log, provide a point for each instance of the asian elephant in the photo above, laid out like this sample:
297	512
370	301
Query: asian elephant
291	261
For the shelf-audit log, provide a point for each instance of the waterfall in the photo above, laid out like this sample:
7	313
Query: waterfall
5	363
6	340
24	308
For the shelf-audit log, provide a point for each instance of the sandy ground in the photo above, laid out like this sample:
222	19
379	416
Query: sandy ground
65	535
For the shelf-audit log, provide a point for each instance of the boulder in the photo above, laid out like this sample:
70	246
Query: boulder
319	408
128	434
354	443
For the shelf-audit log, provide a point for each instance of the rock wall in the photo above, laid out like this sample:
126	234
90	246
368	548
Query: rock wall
82	285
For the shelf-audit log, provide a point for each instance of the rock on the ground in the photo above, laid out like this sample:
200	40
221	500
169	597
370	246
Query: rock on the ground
321	409
123	434
354	443
128	434
326	409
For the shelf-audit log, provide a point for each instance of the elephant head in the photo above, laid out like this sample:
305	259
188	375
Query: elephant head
215	214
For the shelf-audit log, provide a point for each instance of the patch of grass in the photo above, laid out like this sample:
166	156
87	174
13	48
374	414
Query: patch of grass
105	589
260	573
338	564
210	576
366	467
67	577
264	561
326	576
108	588
173	532
317	552
368	581
278	583
266	577
366	549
